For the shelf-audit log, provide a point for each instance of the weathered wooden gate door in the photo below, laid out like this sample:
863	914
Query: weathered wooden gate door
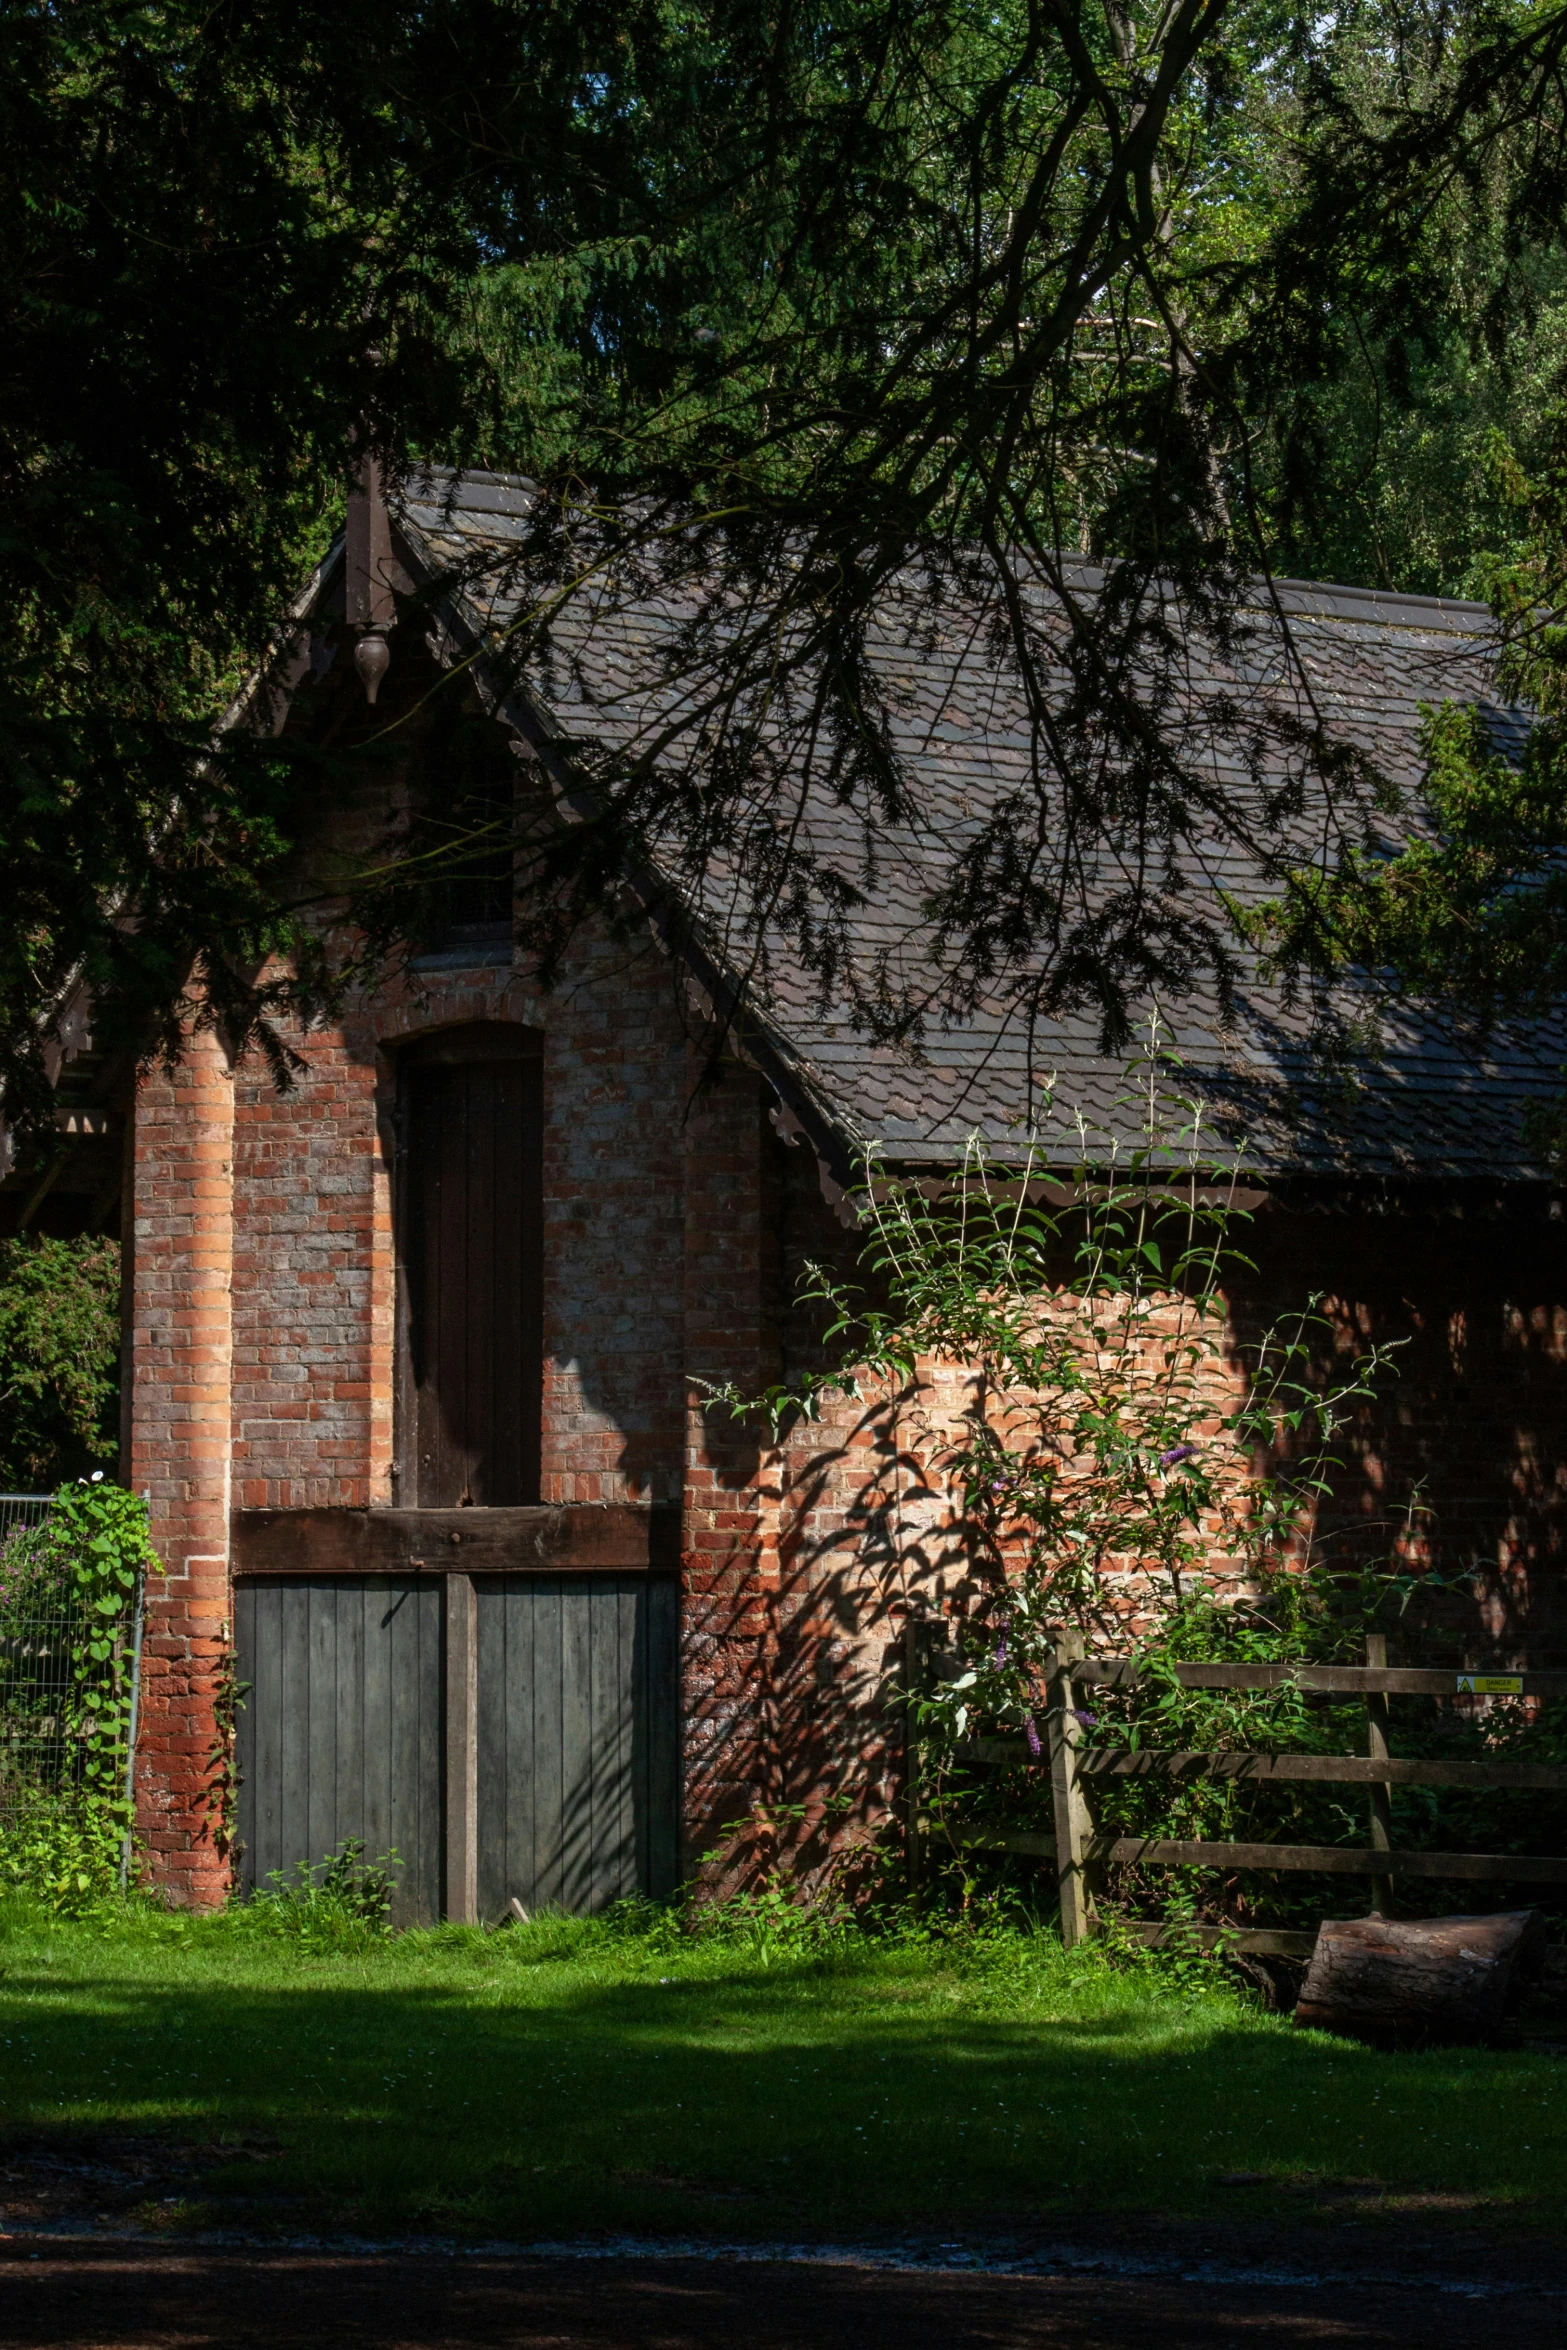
576	1757
572	1754
340	1733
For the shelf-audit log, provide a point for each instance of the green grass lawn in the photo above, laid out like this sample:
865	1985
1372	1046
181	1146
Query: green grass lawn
559	2078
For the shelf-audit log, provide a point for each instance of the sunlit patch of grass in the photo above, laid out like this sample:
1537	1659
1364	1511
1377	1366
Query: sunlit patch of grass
575	2075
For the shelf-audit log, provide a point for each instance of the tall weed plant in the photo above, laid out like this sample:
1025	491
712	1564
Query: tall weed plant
1132	1469
342	1903
1126	1452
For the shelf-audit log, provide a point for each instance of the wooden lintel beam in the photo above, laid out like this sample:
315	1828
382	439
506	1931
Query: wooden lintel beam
580	1538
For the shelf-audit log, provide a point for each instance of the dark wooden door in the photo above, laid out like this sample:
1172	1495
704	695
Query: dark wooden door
578	1740
340	1733
344	1733
472	1224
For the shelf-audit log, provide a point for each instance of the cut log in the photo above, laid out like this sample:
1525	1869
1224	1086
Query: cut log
1406	1982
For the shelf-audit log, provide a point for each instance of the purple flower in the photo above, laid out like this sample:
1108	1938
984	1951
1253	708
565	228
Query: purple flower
1000	1657
1087	1720
1176	1454
999	1484
1031	1733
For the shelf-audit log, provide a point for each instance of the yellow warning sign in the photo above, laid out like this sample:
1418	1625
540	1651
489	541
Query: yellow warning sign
1490	1684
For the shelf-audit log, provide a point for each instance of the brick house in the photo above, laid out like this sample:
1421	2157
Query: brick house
413	1345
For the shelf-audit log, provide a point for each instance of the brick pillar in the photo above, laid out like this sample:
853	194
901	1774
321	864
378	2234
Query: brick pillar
181	1358
731	1497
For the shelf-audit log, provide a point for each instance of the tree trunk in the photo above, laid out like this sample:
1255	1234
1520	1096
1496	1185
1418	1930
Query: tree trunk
1408	1981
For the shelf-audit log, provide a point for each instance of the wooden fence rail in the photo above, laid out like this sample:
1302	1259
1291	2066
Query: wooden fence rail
1077	1849
1121	1672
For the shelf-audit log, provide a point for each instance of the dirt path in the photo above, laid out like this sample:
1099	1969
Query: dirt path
83	2295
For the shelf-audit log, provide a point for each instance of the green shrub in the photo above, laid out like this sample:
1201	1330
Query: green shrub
67	1601
59	1359
59	1849
1110	1468
344	1902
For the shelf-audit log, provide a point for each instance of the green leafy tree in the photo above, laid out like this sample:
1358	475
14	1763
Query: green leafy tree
774	304
800	319
59	1360
1434	198
1468	909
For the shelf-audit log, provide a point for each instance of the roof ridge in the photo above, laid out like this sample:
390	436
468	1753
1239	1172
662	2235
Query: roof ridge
1392	606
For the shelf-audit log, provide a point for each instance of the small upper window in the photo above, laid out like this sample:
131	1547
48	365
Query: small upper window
462	842
473	852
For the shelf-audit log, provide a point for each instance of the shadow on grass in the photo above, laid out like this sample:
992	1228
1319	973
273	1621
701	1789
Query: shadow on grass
524	2101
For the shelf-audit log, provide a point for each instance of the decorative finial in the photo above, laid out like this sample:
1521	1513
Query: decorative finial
368	602
372	660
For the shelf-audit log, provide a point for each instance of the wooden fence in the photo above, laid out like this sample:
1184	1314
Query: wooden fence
1077	1850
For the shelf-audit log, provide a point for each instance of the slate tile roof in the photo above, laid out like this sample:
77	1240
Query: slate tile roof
1437	1098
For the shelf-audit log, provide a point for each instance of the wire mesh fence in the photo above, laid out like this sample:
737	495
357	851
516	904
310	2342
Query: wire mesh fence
36	1628
57	1696
20	1512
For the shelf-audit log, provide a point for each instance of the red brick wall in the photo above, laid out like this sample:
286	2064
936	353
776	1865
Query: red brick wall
799	1675
181	1362
1474	1296
310	1429
283	1384
314	1303
676	1223
730	1534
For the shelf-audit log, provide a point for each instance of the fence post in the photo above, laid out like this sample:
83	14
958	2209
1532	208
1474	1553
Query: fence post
131	1725
1381	1800
913	1793
1072	1820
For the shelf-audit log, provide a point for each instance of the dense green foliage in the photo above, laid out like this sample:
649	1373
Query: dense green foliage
1437	431
801	316
1469	909
190	198
67	1661
59	1360
579	2075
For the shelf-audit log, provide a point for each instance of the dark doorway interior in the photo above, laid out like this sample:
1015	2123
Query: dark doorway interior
472	1231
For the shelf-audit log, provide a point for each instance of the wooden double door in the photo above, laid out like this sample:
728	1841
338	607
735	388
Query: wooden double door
561	1785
